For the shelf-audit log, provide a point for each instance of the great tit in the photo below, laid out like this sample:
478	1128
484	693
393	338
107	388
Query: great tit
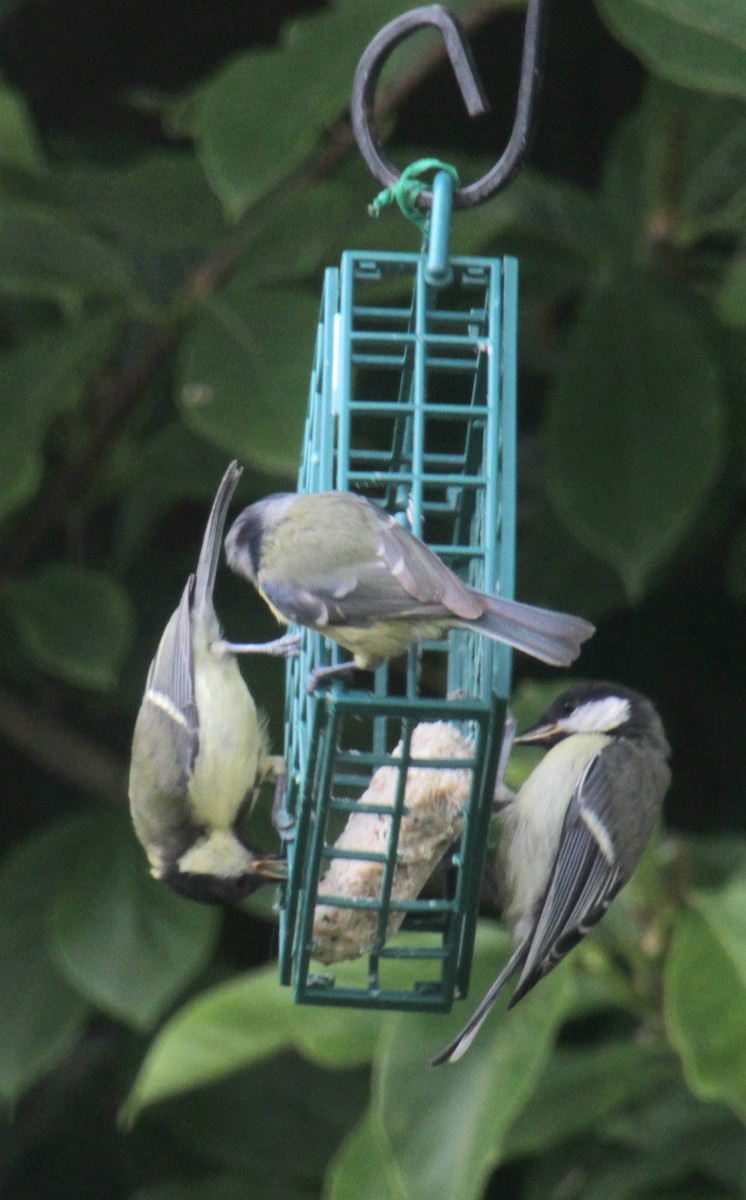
343	566
575	831
199	751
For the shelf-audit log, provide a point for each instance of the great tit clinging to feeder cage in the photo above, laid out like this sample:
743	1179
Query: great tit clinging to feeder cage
199	751
574	833
343	566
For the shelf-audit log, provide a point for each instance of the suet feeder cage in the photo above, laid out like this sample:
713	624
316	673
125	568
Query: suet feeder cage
413	407
412	404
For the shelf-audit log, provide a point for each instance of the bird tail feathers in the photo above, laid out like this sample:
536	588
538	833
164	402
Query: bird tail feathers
458	1047
204	580
553	637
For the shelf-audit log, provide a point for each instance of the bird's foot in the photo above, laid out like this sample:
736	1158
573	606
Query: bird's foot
284	647
321	674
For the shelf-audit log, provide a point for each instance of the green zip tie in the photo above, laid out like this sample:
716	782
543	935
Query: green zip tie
406	190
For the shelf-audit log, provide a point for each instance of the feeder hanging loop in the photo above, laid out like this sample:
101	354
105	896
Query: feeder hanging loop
369	71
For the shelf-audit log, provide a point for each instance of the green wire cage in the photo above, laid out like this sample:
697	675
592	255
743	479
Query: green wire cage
412	406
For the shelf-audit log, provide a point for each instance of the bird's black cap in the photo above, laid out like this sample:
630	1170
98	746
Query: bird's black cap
211	889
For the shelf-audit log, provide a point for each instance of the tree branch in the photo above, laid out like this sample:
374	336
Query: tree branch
66	754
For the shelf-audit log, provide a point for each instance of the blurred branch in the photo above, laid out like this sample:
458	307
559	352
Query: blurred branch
69	756
115	396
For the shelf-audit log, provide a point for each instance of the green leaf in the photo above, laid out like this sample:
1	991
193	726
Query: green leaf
171	465
709	859
671	1125
19	145
243	1022
580	1087
106	899
244	371
41	1016
364	1166
674	172
667	1138
304	234
46	256
544	216
38	378
161	200
700	45
705	994
709	135
260	116
554	570
634	427
589	1170
731	299
447	1127
74	621
280	1122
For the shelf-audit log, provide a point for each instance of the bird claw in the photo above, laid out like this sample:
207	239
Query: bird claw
322	673
284	647
272	867
287	647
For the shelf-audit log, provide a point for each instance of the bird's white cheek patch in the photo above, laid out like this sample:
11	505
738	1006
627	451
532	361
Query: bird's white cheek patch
218	854
598	716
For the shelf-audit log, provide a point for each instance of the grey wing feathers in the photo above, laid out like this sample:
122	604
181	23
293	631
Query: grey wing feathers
163	753
302	604
582	886
171	673
358	594
421	573
607	825
625	790
210	552
166	740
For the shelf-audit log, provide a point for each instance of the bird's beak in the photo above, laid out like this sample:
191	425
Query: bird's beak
270	868
537	734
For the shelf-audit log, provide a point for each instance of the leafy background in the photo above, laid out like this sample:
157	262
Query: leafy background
173	180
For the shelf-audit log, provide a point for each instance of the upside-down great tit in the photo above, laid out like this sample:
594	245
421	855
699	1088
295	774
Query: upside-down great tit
199	751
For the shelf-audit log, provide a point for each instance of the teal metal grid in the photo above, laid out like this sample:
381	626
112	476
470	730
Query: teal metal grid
412	406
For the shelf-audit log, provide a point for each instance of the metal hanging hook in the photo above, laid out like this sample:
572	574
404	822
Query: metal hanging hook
369	70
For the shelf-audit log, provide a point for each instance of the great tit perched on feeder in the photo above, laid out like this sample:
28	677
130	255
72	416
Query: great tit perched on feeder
343	566
199	751
575	831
